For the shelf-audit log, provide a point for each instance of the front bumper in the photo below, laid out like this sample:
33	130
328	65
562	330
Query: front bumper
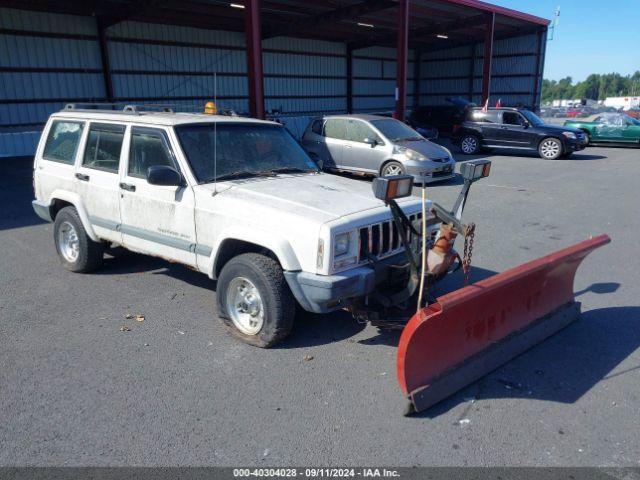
327	293
574	146
441	172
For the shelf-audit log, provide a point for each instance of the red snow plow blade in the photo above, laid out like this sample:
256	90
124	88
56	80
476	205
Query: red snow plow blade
470	332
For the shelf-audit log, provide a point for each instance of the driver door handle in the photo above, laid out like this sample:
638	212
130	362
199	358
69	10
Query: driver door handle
128	187
82	176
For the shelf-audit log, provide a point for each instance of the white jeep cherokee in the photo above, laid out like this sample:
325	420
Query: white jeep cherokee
235	198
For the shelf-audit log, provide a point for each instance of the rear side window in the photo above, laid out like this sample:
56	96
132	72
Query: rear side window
491	116
316	127
62	141
336	128
149	148
103	147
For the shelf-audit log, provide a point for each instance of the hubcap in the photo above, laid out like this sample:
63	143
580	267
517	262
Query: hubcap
244	306
68	242
550	148
469	145
392	170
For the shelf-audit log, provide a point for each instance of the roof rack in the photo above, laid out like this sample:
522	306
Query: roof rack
117	107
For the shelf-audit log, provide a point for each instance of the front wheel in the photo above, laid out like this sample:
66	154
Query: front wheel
470	144
254	300
76	250
550	148
392	168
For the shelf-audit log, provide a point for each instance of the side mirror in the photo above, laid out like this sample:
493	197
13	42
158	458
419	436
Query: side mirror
164	176
371	141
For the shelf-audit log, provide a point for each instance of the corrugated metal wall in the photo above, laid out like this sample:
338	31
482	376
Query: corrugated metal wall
39	70
49	59
447	73
374	79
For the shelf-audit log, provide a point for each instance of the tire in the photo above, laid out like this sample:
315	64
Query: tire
77	252
469	144
392	168
588	137
273	310
550	148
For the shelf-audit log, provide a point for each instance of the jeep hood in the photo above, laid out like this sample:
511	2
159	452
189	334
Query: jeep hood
321	197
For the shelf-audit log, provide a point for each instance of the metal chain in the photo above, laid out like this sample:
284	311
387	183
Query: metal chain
469	235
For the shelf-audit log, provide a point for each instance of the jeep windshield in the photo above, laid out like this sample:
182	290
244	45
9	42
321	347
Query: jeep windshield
239	150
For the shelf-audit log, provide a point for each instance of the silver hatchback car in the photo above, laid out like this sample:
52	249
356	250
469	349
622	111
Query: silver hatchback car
376	145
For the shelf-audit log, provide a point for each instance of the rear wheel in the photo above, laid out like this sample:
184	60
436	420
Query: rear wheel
392	168
550	148
470	144
254	300
76	250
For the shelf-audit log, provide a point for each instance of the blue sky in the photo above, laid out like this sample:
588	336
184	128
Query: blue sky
592	36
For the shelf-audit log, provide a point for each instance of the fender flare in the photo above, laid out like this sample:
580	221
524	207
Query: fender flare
74	199
277	244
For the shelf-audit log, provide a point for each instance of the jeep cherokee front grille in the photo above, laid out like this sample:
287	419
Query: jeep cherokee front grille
381	240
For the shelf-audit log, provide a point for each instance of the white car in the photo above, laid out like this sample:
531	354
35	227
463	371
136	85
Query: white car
235	198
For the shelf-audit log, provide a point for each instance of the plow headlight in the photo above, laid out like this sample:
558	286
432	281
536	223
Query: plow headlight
475	170
389	188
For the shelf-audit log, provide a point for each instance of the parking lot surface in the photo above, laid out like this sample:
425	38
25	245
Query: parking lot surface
178	390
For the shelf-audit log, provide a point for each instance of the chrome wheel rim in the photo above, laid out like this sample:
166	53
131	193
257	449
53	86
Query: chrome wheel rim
550	148
68	242
244	305
469	145
390	170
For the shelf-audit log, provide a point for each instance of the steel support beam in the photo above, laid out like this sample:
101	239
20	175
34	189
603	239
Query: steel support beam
488	54
402	52
472	72
254	58
536	79
417	59
102	24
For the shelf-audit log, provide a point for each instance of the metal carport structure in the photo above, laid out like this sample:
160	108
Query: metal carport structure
290	58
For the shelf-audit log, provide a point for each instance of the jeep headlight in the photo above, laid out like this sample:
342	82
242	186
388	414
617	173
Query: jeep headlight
569	135
341	244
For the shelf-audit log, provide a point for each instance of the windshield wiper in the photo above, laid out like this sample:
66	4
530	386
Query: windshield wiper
291	170
240	174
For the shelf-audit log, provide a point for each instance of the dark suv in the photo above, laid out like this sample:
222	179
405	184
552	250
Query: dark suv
515	128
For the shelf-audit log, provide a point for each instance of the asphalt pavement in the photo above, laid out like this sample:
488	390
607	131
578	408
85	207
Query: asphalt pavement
176	389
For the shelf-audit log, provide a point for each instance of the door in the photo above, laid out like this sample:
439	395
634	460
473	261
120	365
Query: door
514	132
489	124
98	178
158	220
357	154
611	128
335	134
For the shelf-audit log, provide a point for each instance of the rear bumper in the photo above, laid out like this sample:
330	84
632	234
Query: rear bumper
327	293
42	210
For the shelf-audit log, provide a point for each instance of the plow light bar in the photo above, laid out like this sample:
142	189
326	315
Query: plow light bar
475	170
389	188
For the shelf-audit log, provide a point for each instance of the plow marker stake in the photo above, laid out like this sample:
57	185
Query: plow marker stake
470	332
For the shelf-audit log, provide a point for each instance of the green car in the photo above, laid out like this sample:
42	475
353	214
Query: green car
608	128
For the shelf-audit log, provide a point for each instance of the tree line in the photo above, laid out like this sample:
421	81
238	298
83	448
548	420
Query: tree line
595	87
